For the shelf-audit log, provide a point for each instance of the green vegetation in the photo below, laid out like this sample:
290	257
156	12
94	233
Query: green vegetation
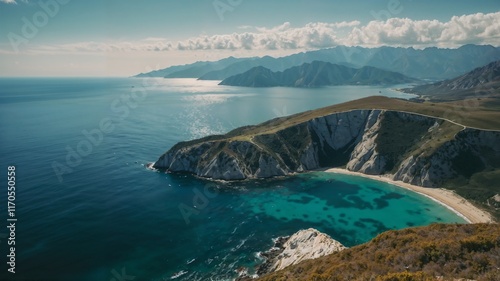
396	138
479	189
470	251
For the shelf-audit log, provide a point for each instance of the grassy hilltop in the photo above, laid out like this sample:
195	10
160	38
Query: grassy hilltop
470	251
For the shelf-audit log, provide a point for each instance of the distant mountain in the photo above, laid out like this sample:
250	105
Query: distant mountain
316	74
199	70
480	82
193	70
242	66
166	71
429	63
274	64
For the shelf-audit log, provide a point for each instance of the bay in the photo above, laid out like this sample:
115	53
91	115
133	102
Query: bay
101	213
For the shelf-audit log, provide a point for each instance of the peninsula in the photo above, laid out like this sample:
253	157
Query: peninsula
422	144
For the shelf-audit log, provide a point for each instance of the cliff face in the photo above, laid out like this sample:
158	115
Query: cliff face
422	150
471	151
417	149
320	142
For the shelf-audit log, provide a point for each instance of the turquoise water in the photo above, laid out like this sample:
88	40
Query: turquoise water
108	214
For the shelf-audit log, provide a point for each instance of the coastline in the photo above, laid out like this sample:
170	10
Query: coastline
445	197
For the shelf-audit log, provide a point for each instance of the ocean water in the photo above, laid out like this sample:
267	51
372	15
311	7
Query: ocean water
87	208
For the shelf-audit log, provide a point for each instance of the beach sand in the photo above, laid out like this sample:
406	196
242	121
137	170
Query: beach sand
448	198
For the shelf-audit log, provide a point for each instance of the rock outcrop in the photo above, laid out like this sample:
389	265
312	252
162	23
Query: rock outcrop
304	245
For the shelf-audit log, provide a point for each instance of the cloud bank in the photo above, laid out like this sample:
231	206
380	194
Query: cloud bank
476	28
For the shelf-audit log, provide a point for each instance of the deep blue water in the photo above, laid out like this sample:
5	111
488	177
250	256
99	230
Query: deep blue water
105	214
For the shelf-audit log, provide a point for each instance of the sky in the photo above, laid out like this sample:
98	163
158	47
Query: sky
125	37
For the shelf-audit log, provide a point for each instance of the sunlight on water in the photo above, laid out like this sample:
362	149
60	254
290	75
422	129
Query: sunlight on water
110	202
208	99
188	85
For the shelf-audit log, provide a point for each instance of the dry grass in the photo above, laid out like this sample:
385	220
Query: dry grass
482	114
476	113
451	251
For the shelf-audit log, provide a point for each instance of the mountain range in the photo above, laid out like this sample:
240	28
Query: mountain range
479	83
316	74
429	63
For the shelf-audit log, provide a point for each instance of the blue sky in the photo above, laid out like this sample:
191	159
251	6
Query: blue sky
122	38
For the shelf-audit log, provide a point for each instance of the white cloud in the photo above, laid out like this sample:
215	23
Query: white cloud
245	27
282	37
474	28
13	1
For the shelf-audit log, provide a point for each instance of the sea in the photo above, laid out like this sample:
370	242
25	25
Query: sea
86	208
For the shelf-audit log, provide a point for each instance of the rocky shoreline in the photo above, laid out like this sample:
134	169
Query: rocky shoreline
289	250
416	149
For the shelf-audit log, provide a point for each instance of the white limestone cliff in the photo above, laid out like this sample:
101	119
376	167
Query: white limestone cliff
305	245
351	139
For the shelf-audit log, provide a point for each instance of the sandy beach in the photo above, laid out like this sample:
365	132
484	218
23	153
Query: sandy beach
448	198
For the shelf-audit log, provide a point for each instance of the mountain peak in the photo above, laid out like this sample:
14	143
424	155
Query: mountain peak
315	74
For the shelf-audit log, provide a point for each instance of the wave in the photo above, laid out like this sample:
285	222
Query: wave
178	274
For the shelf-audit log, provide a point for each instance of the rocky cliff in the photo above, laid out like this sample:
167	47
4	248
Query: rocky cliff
305	244
417	149
321	142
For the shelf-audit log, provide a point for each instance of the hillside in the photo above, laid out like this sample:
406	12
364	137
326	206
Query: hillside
374	135
316	74
429	63
469	251
479	83
192	70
